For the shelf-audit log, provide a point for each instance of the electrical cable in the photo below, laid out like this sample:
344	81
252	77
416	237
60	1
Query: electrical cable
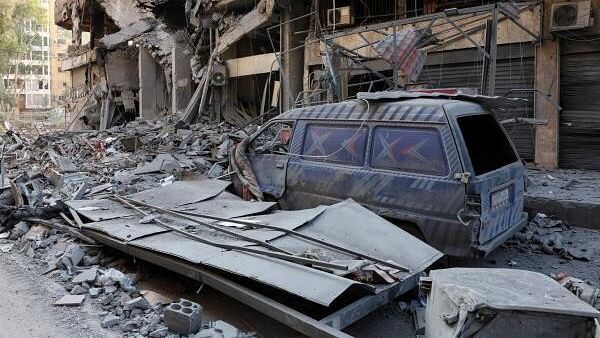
344	144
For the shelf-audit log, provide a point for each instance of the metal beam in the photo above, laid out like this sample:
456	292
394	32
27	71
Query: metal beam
270	307
453	24
362	307
462	11
516	22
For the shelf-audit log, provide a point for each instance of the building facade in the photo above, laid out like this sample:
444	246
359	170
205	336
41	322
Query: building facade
238	59
60	81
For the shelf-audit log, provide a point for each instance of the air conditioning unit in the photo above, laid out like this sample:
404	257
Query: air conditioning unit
342	16
570	15
218	77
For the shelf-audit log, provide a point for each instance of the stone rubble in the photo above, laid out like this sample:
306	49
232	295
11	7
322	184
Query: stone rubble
40	173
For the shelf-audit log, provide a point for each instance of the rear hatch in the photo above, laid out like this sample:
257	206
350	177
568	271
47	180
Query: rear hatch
497	185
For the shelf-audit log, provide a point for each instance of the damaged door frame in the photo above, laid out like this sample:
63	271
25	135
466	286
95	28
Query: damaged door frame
329	326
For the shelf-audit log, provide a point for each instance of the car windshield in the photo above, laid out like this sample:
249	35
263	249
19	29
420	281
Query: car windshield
488	145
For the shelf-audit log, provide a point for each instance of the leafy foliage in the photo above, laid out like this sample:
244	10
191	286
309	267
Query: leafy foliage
15	40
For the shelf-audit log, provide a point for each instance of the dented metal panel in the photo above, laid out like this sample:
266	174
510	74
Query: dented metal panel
315	285
227	205
347	225
100	209
181	193
126	228
351	225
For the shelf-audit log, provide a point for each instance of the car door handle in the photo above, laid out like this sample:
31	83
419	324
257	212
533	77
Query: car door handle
279	165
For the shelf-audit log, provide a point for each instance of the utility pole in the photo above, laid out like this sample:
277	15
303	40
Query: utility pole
488	81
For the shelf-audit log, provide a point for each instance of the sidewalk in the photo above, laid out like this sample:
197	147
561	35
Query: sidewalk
567	194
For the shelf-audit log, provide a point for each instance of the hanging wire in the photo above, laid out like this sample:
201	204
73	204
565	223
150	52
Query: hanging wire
344	144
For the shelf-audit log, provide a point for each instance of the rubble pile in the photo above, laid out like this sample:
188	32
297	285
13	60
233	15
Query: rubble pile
39	174
91	273
543	234
48	169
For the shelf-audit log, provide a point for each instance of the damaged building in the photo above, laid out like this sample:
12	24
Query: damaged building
238	60
334	167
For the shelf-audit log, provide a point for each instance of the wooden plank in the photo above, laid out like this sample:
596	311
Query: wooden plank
250	65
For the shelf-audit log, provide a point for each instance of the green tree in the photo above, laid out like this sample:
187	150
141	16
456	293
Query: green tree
15	38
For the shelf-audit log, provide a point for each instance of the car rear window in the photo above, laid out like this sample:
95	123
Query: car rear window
417	150
335	144
486	142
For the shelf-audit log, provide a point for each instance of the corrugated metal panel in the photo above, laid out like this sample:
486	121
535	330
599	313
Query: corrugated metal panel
579	142
463	69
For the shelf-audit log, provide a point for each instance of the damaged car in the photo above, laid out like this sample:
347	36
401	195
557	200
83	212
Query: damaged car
437	163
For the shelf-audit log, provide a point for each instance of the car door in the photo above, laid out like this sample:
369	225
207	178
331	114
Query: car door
497	181
327	162
268	153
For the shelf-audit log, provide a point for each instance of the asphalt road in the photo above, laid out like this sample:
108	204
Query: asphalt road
26	305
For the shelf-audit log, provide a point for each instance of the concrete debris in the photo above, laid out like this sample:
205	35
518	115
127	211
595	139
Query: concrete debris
37	233
155	298
6	248
584	290
542	234
79	290
137	303
109	321
88	275
70	300
72	256
183	317
95	292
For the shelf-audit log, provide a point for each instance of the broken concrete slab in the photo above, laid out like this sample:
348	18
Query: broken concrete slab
72	256
36	233
162	162
109	321
6	248
155	298
88	275
70	300
95	292
78	290
137	303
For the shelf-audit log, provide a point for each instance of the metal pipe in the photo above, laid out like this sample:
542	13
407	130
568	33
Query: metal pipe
213	227
285	257
289	232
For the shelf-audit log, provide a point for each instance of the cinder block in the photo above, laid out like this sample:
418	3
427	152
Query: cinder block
183	317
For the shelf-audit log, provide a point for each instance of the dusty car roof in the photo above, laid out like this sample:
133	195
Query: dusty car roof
399	106
410	110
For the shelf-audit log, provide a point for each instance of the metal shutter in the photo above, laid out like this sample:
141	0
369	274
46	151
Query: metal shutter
579	131
515	70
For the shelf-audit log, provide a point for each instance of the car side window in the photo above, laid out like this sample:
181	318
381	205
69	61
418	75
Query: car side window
275	138
336	144
416	150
